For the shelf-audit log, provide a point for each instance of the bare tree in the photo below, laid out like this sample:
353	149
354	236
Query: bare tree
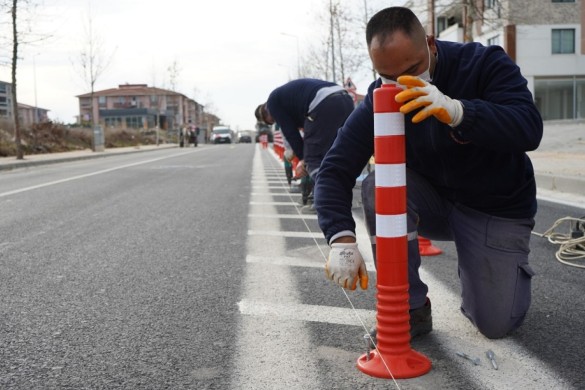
174	71
15	16
342	52
17	140
93	60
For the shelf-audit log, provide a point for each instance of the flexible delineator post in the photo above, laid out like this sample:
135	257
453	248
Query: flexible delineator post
393	357
426	247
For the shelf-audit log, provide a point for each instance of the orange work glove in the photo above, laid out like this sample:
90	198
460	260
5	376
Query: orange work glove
419	93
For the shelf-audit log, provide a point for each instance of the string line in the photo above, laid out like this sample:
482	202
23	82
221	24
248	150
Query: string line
324	256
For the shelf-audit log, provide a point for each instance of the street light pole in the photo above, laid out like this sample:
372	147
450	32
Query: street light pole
298	52
36	118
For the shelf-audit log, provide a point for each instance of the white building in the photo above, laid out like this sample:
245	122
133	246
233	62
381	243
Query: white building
544	37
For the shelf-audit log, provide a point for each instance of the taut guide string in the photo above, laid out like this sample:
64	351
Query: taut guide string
285	185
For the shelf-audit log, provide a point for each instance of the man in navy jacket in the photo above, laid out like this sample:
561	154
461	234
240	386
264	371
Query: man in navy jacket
469	121
317	107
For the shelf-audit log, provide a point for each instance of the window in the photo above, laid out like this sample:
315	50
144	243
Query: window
560	98
563	41
134	122
489	3
563	1
102	100
493	41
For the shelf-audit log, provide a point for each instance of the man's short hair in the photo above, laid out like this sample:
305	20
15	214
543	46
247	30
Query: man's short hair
258	113
389	20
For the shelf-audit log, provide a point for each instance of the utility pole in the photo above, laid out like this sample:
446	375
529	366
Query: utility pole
332	41
36	118
431	6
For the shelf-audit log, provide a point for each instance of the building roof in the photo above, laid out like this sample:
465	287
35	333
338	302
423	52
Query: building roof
131	90
26	106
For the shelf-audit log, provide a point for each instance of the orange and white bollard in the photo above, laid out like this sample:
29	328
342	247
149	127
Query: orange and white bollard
426	247
264	141
393	357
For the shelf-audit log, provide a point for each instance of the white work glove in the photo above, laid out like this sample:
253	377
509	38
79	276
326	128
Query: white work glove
289	155
419	93
346	266
301	170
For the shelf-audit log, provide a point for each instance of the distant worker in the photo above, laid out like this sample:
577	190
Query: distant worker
264	141
318	107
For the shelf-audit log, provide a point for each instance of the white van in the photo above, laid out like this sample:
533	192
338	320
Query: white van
222	134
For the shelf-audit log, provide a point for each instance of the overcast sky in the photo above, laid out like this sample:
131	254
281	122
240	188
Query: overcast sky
230	53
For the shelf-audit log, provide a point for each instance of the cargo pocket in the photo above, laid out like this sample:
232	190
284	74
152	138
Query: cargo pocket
509	235
522	294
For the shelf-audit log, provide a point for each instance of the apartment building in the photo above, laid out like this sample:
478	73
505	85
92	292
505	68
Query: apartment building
139	106
27	114
544	37
6	100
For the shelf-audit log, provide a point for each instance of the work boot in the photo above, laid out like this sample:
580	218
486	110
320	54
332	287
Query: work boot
421	323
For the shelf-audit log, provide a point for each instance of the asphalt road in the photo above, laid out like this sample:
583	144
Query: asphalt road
193	269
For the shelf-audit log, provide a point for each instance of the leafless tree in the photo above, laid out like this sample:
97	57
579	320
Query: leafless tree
17	140
174	71
341	51
15	7
93	59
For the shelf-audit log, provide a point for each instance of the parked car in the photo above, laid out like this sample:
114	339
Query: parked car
245	139
221	135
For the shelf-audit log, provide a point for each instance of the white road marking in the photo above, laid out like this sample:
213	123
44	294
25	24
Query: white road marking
286	261
280	233
283	216
269	350
270	187
518	367
275	194
51	183
308	313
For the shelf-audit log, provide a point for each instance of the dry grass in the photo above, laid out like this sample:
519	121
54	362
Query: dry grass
53	138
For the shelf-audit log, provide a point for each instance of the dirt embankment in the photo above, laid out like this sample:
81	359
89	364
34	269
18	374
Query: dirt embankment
54	138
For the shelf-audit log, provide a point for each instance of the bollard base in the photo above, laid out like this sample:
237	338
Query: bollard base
407	365
426	248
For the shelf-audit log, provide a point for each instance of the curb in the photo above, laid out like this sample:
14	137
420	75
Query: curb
568	184
29	163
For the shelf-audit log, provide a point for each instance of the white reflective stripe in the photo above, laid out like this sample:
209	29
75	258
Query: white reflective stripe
390	175
388	123
391	226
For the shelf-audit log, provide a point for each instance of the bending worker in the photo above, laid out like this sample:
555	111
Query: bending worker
469	121
318	107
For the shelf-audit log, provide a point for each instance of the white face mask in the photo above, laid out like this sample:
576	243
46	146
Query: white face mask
426	75
388	81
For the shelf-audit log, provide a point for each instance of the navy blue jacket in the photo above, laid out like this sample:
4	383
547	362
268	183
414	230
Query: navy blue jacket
482	163
289	105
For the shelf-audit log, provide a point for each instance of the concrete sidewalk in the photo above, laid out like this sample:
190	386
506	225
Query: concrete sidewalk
559	162
7	163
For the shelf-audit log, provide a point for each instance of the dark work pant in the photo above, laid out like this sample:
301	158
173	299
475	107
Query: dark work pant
492	254
321	128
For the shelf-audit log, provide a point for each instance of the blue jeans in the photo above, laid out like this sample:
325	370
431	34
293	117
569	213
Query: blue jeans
492	254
